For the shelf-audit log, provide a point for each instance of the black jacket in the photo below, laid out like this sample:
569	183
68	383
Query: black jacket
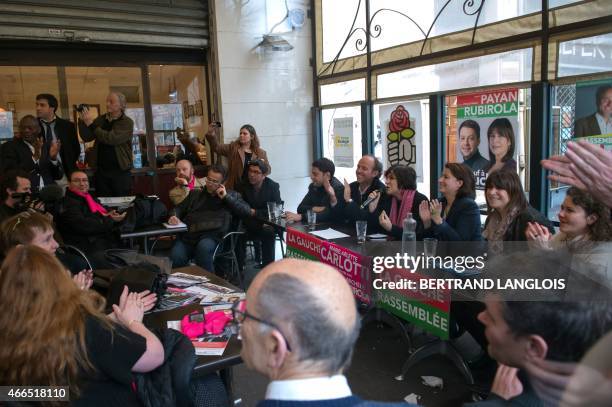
16	154
70	148
352	210
461	224
82	228
269	192
208	215
516	230
316	196
169	384
396	231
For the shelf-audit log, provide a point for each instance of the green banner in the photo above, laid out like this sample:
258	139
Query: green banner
492	110
423	315
298	254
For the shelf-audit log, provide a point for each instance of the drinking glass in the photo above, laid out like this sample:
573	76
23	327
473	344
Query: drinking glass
361	227
430	245
271	210
312	219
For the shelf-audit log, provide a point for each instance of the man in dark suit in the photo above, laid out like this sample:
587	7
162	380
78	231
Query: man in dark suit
27	152
299	325
257	193
56	128
599	122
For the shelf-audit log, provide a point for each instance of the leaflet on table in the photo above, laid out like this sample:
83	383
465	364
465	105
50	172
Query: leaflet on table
329	234
174	301
212	345
219	289
178	225
214	298
185	280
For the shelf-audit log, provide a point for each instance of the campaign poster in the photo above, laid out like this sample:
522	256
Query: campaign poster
593	103
343	142
483	115
402	135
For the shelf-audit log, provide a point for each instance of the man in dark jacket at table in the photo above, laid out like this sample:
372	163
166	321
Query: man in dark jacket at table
112	151
85	223
368	172
324	194
208	216
27	151
257	193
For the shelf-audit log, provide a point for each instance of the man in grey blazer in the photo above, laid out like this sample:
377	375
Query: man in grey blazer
601	121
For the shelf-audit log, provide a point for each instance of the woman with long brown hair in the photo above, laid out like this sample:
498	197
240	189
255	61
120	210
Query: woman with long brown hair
508	212
54	334
239	152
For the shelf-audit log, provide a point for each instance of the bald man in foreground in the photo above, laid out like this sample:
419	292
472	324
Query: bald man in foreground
298	326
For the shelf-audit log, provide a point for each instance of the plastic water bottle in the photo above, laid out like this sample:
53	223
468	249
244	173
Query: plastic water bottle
409	236
136	151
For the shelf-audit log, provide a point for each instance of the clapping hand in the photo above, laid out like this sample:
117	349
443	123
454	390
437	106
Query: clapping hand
425	214
54	149
347	191
436	211
84	279
132	309
537	233
384	221
333	200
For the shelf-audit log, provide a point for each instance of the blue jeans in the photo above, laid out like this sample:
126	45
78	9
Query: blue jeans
202	253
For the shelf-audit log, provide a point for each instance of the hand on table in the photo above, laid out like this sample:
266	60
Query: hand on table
293	217
116	216
173	220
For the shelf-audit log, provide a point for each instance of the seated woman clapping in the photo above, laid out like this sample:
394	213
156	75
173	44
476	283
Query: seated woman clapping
508	212
399	199
57	335
585	230
456	216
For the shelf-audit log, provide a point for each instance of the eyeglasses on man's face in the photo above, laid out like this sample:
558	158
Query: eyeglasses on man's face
240	314
213	181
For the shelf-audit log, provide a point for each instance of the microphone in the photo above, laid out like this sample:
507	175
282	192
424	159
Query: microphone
370	199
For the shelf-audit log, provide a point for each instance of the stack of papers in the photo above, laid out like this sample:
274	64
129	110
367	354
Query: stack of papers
185	280
178	225
212	345
329	234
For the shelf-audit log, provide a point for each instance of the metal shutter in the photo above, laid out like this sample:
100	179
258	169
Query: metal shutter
158	23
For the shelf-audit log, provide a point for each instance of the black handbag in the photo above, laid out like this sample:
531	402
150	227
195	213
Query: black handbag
137	277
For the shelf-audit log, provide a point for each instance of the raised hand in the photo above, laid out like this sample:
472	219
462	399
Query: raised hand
436	211
425	214
347	191
537	233
132	311
372	205
54	149
384	221
506	383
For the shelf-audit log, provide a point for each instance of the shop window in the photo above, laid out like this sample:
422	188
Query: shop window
338	18
488	70
401	136
343	92
178	99
584	56
472	116
573	109
91	86
20	85
342	140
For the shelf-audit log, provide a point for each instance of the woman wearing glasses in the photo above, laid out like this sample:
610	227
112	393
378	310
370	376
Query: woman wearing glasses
57	335
239	152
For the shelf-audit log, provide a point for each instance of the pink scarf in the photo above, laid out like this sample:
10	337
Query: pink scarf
93	205
397	216
191	184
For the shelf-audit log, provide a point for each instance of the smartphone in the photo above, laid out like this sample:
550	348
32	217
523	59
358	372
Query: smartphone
217	124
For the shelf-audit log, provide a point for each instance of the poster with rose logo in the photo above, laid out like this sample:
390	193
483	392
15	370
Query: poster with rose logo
402	135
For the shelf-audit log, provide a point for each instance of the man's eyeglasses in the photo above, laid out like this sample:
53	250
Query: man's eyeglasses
213	181
240	314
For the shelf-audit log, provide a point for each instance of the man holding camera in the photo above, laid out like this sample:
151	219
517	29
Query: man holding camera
55	128
15	185
25	152
112	151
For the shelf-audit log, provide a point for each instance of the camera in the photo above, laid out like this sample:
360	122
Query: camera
80	108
